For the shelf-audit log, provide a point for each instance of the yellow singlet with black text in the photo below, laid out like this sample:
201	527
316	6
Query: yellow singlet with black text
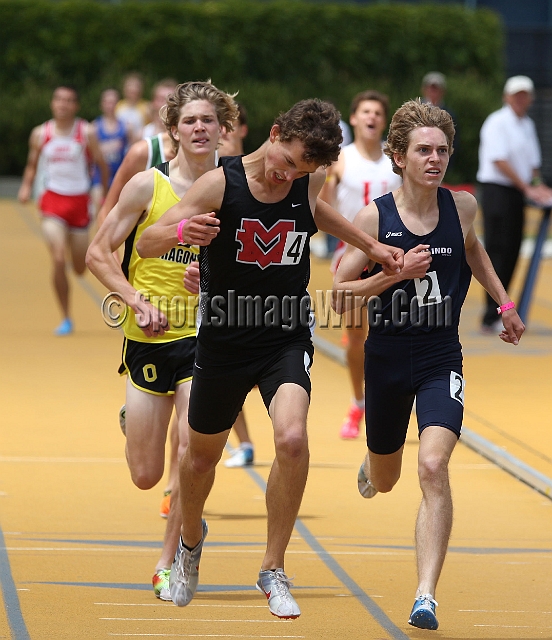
160	280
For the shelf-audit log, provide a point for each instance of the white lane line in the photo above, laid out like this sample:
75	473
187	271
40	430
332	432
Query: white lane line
502	611
511	626
56	460
197	635
218	606
209	620
111	549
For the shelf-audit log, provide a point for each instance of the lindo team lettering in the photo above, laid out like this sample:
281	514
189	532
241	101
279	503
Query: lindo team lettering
280	244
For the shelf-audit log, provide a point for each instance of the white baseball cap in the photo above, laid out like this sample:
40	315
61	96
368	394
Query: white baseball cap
434	78
515	84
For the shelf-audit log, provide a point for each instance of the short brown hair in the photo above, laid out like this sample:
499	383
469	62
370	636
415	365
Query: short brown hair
315	123
225	107
412	115
370	94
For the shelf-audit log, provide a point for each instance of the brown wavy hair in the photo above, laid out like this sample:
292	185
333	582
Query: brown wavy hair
316	124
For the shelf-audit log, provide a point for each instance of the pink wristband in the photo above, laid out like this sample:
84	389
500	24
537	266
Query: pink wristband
505	307
179	230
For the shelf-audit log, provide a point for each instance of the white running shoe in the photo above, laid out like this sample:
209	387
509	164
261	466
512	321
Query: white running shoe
185	571
275	585
365	487
241	457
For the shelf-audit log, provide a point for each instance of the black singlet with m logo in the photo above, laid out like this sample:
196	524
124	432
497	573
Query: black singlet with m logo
259	261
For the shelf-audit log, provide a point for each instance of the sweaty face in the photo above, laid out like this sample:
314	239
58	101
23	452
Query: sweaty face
368	120
284	160
426	158
198	129
64	103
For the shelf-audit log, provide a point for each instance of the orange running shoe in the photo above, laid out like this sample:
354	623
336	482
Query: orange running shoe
165	505
351	427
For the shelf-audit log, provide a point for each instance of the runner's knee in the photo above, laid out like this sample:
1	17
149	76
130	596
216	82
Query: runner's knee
145	477
291	443
433	470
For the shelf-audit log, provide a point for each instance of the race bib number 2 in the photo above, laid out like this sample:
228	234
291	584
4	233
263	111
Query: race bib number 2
427	289
457	387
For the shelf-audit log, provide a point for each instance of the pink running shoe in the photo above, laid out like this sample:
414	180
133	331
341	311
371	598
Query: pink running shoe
351	427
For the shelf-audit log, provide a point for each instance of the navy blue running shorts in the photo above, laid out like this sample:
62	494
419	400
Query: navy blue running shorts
157	367
398	369
220	386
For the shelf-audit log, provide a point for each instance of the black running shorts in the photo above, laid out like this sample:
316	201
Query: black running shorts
219	387
158	367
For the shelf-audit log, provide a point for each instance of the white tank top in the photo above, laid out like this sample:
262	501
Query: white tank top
66	159
362	181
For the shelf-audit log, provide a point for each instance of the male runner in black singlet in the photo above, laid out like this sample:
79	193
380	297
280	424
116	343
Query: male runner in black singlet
256	256
413	350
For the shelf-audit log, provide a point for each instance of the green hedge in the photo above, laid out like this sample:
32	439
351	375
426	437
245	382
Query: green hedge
274	53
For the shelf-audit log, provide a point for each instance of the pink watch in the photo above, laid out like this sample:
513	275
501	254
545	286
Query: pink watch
505	307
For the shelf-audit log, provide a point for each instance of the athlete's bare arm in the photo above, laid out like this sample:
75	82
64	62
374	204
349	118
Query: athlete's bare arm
133	203
201	228
29	174
134	161
333	177
483	270
329	220
354	261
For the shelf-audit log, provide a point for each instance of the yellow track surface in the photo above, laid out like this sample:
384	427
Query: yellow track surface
79	542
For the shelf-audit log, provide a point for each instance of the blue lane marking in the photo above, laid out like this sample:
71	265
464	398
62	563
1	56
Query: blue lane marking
156	544
9	593
153	544
378	614
133	586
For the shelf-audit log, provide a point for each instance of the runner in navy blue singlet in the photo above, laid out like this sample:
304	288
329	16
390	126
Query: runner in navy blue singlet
413	350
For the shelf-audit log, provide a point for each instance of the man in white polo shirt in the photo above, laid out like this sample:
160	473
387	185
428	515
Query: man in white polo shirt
509	173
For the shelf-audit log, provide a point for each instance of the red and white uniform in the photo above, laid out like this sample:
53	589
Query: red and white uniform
66	159
362	181
67	182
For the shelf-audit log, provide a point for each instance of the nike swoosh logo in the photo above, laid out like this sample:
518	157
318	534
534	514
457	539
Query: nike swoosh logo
296	205
198	367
